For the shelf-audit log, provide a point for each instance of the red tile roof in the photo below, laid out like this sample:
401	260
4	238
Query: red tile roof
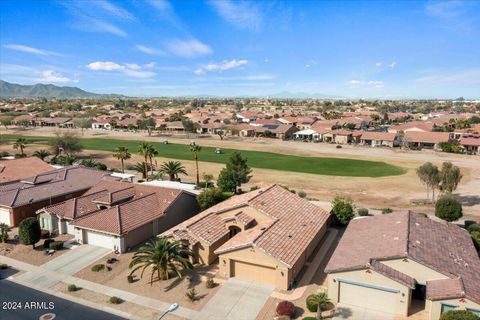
445	289
17	169
383	136
427	137
470	140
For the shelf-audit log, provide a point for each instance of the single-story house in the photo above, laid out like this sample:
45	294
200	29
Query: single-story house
119	215
175	126
21	199
265	235
102	124
307	134
280	131
379	139
54	122
388	262
22	168
471	143
428	140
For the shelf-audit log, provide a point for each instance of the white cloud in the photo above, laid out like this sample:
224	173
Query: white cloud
465	77
27	49
113	10
188	48
165	10
392	65
129	69
378	64
149	50
102	26
52	76
445	9
223	66
242	14
149	65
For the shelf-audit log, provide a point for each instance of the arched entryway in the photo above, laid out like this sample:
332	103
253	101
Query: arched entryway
233	230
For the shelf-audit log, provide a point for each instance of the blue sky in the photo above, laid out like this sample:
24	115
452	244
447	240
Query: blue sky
226	48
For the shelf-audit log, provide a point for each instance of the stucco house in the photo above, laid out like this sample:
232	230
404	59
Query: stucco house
390	262
426	140
265	235
379	139
22	168
119	215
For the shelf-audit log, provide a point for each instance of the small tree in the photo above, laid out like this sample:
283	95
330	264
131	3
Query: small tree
41	154
450	177
285	308
235	173
29	231
122	154
448	208
83	123
342	209
21	144
4	232
459	315
211	196
429	175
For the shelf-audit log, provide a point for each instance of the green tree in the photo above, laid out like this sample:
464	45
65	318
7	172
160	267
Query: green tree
164	257
122	154
146	149
83	123
29	231
430	176
195	149
450	177
42	154
142	167
4	232
68	143
458	315
317	302
448	208
21	143
211	196
343	210
234	174
172	169
6	121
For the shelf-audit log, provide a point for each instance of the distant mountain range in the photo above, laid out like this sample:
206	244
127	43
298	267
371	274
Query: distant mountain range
13	90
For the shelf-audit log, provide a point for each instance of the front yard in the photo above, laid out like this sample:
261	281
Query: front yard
170	291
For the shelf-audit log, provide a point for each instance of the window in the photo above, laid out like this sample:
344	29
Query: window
474	311
448	307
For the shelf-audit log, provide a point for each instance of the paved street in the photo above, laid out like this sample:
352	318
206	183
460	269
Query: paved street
357	313
23	296
237	300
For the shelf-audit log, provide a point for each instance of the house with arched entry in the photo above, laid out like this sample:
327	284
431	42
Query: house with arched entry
265	235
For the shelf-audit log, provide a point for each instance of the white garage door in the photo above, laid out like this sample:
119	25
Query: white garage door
250	271
5	216
70	229
361	295
99	239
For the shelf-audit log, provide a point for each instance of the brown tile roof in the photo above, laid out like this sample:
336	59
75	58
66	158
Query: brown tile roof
393	274
445	289
17	169
427	137
295	222
441	246
49	185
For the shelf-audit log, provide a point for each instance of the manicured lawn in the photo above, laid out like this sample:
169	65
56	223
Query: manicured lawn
256	159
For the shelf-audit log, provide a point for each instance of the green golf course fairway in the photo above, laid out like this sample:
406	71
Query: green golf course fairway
256	159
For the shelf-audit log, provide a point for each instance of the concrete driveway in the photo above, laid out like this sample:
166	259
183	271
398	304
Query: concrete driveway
357	313
69	263
237	300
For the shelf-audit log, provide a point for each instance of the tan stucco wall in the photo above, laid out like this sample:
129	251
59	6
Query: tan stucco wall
371	278
419	272
205	253
435	307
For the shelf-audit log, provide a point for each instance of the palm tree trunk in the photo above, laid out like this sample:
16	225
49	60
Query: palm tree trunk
123	166
146	167
198	175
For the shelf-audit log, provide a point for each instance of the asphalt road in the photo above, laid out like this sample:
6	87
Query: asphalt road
23	303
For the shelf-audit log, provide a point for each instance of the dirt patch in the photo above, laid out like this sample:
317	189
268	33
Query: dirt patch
170	291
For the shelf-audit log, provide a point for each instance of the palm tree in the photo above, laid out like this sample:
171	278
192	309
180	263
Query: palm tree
143	168
321	300
122	154
195	148
172	169
21	144
42	154
145	149
152	152
163	256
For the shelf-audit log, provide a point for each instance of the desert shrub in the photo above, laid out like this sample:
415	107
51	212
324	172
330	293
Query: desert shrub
192	295
309	318
473	227
46	243
210	283
3	266
317	299
29	231
253	188
98	267
130	279
448	208
56	245
4	154
338	146
285	308
4	232
362	212
115	300
112	260
387	210
459	315
302	194
468	223
72	288
44	234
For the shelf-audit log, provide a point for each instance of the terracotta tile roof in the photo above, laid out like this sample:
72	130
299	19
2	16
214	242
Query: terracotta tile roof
443	247
49	185
76	207
244	218
420	125
384	136
445	289
393	274
17	169
470	140
427	137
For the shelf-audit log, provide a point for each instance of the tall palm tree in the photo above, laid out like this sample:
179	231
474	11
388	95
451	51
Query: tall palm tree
172	169
21	144
42	154
163	256
145	149
122	154
152	152
195	148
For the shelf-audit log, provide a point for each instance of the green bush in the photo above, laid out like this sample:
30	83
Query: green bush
459	315
342	209
473	227
98	267
46	243
387	210
115	300
302	194
72	288
130	279
448	208
468	223
112	260
4	232
476	239
56	245
44	234
29	231
210	197
210	283
309	318
362	212
317	299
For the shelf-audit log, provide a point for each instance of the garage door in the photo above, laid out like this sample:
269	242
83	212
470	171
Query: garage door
361	295
250	271
5	216
70	228
99	239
